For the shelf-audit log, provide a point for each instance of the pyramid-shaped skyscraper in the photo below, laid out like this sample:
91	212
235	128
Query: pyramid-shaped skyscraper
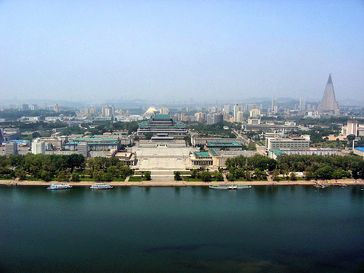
328	104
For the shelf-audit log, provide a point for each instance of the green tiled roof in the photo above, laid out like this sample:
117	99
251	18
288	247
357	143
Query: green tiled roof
213	151
161	116
95	140
202	154
223	144
176	125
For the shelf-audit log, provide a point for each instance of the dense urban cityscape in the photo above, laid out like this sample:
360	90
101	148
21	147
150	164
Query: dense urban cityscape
182	136
187	140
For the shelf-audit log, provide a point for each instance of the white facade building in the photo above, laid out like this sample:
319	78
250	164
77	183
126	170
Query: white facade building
352	128
294	143
38	146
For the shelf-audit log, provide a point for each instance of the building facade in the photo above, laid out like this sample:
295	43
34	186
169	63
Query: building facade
162	125
294	143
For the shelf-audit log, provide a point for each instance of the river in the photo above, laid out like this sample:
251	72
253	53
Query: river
193	229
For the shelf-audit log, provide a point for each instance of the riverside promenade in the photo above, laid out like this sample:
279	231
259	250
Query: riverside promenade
172	183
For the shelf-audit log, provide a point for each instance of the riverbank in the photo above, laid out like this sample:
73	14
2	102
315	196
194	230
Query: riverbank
154	183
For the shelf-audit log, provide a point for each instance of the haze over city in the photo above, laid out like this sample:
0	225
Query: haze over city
165	51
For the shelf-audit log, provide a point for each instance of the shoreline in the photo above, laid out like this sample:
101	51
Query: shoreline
172	183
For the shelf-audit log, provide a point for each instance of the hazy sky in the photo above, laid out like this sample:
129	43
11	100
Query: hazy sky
165	50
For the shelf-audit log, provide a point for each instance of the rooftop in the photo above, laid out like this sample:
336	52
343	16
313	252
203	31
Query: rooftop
202	154
93	140
222	143
161	117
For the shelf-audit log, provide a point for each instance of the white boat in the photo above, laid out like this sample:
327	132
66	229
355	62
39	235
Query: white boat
101	187
54	187
230	187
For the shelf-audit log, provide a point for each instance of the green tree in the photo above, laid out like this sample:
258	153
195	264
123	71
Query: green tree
63	176
45	175
205	176
20	173
194	173
340	173
275	175
292	176
75	177
107	176
324	172
177	176
148	135
218	176
147	176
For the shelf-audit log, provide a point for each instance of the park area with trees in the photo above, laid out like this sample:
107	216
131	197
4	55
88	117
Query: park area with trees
312	166
62	168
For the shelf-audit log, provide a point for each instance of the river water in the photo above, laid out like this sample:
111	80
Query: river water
194	229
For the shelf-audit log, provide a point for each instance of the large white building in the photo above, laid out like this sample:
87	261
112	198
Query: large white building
200	117
164	111
254	113
240	116
294	143
38	146
107	111
352	128
311	151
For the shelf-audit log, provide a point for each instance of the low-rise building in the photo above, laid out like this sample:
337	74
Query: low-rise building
220	156
266	127
93	143
294	143
223	144
311	151
201	159
216	158
128	158
359	151
197	140
8	134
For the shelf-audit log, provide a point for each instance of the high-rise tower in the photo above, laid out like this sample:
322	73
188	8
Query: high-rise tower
328	104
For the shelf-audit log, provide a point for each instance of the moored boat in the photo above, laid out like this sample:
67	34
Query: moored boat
54	187
230	187
101	187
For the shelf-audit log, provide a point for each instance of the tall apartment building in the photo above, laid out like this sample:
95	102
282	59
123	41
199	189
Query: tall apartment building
227	109
236	110
352	128
107	111
11	148
38	146
254	113
240	116
200	117
214	118
164	111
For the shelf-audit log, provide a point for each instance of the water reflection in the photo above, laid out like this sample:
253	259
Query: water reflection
147	190
357	192
177	191
266	191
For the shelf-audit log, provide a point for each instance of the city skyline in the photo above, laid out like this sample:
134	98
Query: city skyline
201	51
